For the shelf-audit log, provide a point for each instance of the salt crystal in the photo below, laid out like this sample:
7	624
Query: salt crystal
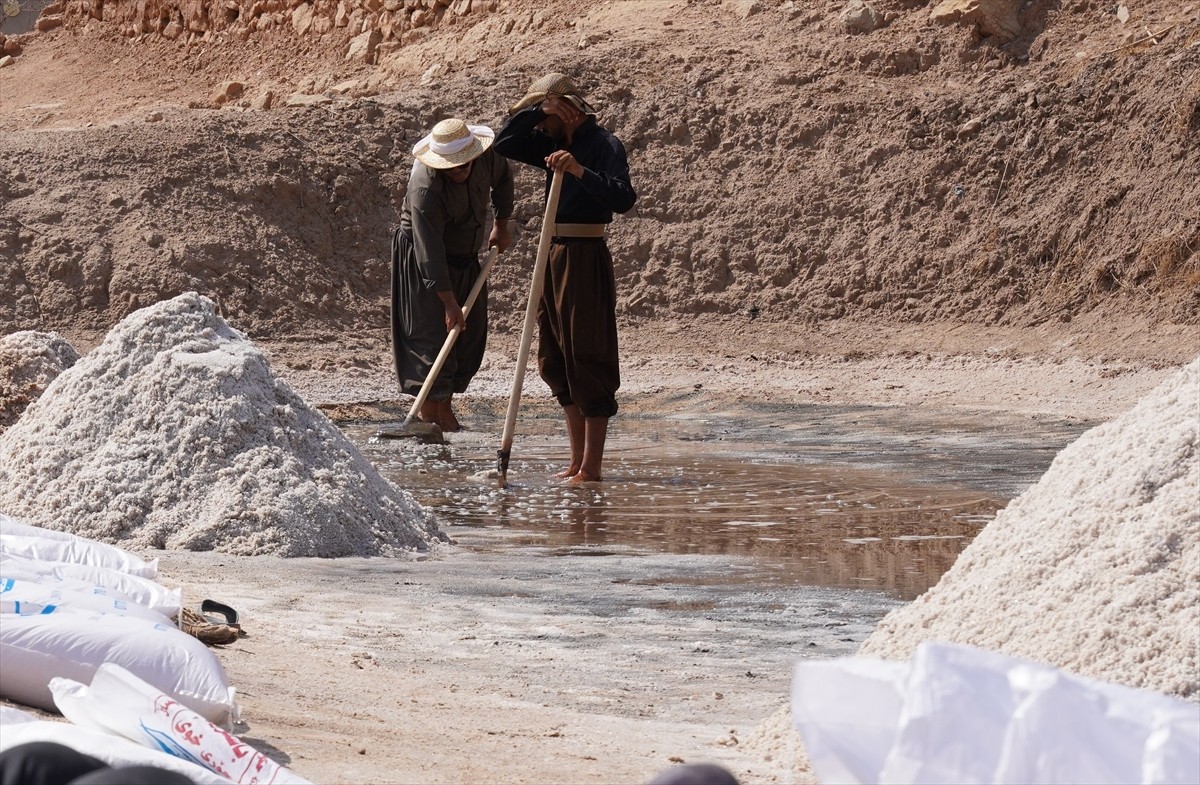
1096	568
174	433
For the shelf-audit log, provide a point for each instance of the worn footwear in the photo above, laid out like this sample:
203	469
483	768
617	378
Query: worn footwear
205	631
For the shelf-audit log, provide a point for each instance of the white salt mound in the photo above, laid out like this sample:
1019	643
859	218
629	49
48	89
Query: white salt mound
29	361
1096	568
173	433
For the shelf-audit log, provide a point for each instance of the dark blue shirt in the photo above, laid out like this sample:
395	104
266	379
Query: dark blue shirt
604	188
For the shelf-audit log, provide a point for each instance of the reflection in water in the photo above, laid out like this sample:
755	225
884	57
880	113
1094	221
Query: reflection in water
840	526
587	526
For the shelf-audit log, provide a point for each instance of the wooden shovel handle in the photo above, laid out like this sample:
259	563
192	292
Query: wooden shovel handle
531	308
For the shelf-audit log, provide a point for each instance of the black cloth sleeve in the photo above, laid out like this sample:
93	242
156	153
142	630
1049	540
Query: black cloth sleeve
521	141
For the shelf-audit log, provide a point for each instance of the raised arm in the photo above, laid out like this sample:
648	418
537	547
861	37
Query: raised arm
520	139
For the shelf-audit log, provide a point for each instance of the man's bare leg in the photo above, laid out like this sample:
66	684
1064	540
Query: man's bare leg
446	419
430	411
576	435
441	413
595	432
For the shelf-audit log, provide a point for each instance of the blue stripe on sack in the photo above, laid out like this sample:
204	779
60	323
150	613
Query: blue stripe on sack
6	585
44	609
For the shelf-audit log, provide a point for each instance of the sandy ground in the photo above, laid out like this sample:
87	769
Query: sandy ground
488	663
496	666
1090	372
1013	216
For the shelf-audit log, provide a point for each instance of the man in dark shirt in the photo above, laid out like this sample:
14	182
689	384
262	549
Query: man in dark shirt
554	128
435	260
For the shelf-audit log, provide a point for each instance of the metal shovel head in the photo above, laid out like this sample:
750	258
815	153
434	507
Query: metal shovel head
428	432
502	458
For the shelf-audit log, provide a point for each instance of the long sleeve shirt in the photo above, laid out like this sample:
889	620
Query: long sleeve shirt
447	221
605	187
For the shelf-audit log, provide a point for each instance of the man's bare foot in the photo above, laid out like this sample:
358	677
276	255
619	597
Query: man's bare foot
446	419
582	476
568	472
429	413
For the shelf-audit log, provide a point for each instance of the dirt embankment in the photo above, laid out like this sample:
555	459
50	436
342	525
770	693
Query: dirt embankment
795	162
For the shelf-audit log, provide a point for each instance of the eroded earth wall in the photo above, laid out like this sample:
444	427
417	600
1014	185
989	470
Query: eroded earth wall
798	161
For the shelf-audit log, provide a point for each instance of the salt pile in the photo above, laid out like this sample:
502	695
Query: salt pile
1096	568
173	433
29	361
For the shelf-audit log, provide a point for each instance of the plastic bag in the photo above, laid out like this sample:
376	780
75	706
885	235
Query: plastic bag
118	702
29	597
958	714
89	578
112	750
94	580
35	542
70	644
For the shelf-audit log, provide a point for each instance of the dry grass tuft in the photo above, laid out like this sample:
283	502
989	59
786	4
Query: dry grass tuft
1187	110
1169	256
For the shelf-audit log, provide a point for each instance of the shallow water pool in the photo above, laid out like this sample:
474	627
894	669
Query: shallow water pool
871	498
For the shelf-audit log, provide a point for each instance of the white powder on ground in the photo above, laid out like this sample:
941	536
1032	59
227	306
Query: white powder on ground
173	433
29	361
1094	570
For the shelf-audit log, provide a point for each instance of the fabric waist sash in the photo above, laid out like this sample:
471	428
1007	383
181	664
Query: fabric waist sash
455	260
580	230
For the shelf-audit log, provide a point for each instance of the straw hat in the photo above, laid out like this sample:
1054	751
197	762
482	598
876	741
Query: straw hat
453	143
553	84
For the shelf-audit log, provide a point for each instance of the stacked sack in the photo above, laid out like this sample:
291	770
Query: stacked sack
86	631
69	605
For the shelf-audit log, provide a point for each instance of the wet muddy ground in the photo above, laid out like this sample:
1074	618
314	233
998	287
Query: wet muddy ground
601	632
880	499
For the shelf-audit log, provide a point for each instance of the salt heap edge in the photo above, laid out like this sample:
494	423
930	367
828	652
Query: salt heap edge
29	361
1095	569
173	433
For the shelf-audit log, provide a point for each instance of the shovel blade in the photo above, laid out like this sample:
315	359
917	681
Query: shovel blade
427	432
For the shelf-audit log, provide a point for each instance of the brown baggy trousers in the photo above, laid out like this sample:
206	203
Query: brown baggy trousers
577	326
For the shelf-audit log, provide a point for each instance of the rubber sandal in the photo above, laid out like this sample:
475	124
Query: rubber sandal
228	616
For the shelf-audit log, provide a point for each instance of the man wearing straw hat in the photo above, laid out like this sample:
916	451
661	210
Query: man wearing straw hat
435	260
554	128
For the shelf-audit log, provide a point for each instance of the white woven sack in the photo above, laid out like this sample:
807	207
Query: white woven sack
119	702
86	577
48	545
112	750
30	597
72	645
11	715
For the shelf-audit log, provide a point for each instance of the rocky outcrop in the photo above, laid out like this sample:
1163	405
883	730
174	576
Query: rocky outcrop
991	17
389	20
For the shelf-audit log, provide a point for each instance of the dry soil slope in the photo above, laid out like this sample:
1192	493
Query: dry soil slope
915	172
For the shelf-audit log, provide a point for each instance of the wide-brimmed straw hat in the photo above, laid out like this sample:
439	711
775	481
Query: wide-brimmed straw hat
553	84
453	143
